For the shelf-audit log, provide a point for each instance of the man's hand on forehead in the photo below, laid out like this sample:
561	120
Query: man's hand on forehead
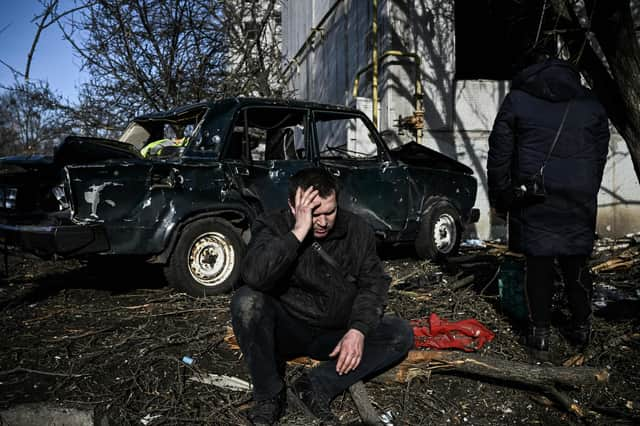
307	197
306	200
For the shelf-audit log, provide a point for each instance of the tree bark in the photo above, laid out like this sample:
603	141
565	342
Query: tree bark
493	368
617	86
612	24
360	397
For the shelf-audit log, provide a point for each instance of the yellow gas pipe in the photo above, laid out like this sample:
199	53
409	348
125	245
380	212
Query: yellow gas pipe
419	112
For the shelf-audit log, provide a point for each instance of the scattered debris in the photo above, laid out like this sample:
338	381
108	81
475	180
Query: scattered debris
225	382
148	419
473	243
121	348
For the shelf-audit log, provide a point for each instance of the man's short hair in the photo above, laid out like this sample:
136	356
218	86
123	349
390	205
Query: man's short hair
317	177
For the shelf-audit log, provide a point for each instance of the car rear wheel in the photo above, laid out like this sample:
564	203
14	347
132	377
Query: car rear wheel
440	232
206	259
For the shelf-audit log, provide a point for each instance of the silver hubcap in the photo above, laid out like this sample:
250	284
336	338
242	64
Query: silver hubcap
211	259
444	233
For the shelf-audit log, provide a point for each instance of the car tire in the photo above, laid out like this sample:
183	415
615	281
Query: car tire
440	232
206	259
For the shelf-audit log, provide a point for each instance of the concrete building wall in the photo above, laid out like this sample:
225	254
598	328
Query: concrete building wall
325	70
458	114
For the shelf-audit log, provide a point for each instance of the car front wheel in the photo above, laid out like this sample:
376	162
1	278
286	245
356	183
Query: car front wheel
440	232
206	259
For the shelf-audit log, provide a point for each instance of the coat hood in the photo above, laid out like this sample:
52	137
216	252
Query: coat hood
553	80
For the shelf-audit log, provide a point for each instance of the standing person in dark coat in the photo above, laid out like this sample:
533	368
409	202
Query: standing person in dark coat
562	225
297	303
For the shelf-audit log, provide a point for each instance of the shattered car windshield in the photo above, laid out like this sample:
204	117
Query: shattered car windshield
157	135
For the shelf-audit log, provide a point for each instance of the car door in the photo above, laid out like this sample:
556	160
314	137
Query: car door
373	185
267	146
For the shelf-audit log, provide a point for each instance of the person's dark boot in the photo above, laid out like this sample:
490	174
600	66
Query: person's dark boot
580	334
313	400
538	344
268	411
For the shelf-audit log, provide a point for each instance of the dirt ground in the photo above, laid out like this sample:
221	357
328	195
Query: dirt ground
113	341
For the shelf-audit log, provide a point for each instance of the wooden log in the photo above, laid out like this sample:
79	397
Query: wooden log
463	282
612	264
368	414
495	368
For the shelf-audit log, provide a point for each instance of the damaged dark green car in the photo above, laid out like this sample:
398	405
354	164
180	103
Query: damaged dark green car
181	188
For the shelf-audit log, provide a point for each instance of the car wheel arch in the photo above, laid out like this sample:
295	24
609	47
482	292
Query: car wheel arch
237	218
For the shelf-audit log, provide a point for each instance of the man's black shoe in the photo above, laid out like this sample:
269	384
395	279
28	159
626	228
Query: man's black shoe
268	411
313	401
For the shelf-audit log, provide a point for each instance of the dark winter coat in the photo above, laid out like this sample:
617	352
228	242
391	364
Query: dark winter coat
564	224
308	287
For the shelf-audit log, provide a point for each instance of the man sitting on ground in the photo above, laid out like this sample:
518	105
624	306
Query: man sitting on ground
296	302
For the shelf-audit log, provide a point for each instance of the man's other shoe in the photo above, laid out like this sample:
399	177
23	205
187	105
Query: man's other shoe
268	411
580	334
314	402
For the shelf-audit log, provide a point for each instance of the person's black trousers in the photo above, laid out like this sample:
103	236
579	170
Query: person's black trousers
268	336
539	286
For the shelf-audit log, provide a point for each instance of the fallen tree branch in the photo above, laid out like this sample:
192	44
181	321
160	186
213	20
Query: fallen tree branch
360	397
44	373
79	336
494	368
463	282
184	311
612	264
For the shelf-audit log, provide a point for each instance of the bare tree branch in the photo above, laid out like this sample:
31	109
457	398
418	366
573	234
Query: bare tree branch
49	9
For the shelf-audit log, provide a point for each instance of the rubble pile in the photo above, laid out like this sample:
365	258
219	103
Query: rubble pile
132	351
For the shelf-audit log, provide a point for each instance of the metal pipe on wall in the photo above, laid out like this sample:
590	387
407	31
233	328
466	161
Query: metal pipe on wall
374	61
419	112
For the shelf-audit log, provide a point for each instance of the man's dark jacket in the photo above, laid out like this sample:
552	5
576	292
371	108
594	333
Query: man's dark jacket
308	287
564	224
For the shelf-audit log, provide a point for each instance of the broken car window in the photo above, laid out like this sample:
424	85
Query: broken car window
268	134
344	136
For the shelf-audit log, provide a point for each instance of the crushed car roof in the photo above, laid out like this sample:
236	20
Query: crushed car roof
189	109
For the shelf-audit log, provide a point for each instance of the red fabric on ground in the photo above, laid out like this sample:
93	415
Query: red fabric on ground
468	335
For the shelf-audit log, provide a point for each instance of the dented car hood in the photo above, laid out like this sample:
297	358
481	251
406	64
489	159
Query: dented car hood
418	155
82	150
77	150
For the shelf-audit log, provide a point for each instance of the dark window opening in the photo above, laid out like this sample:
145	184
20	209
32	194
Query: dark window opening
263	134
492	35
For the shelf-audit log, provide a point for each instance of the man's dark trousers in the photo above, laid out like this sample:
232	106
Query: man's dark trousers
268	336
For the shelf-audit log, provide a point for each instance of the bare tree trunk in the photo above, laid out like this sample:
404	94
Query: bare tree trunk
613	26
617	86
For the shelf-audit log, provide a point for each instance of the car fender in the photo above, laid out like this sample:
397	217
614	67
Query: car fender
239	215
431	185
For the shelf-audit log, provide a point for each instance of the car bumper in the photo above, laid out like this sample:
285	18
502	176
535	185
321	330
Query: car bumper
63	240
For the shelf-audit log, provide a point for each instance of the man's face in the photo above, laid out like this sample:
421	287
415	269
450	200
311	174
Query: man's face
324	216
